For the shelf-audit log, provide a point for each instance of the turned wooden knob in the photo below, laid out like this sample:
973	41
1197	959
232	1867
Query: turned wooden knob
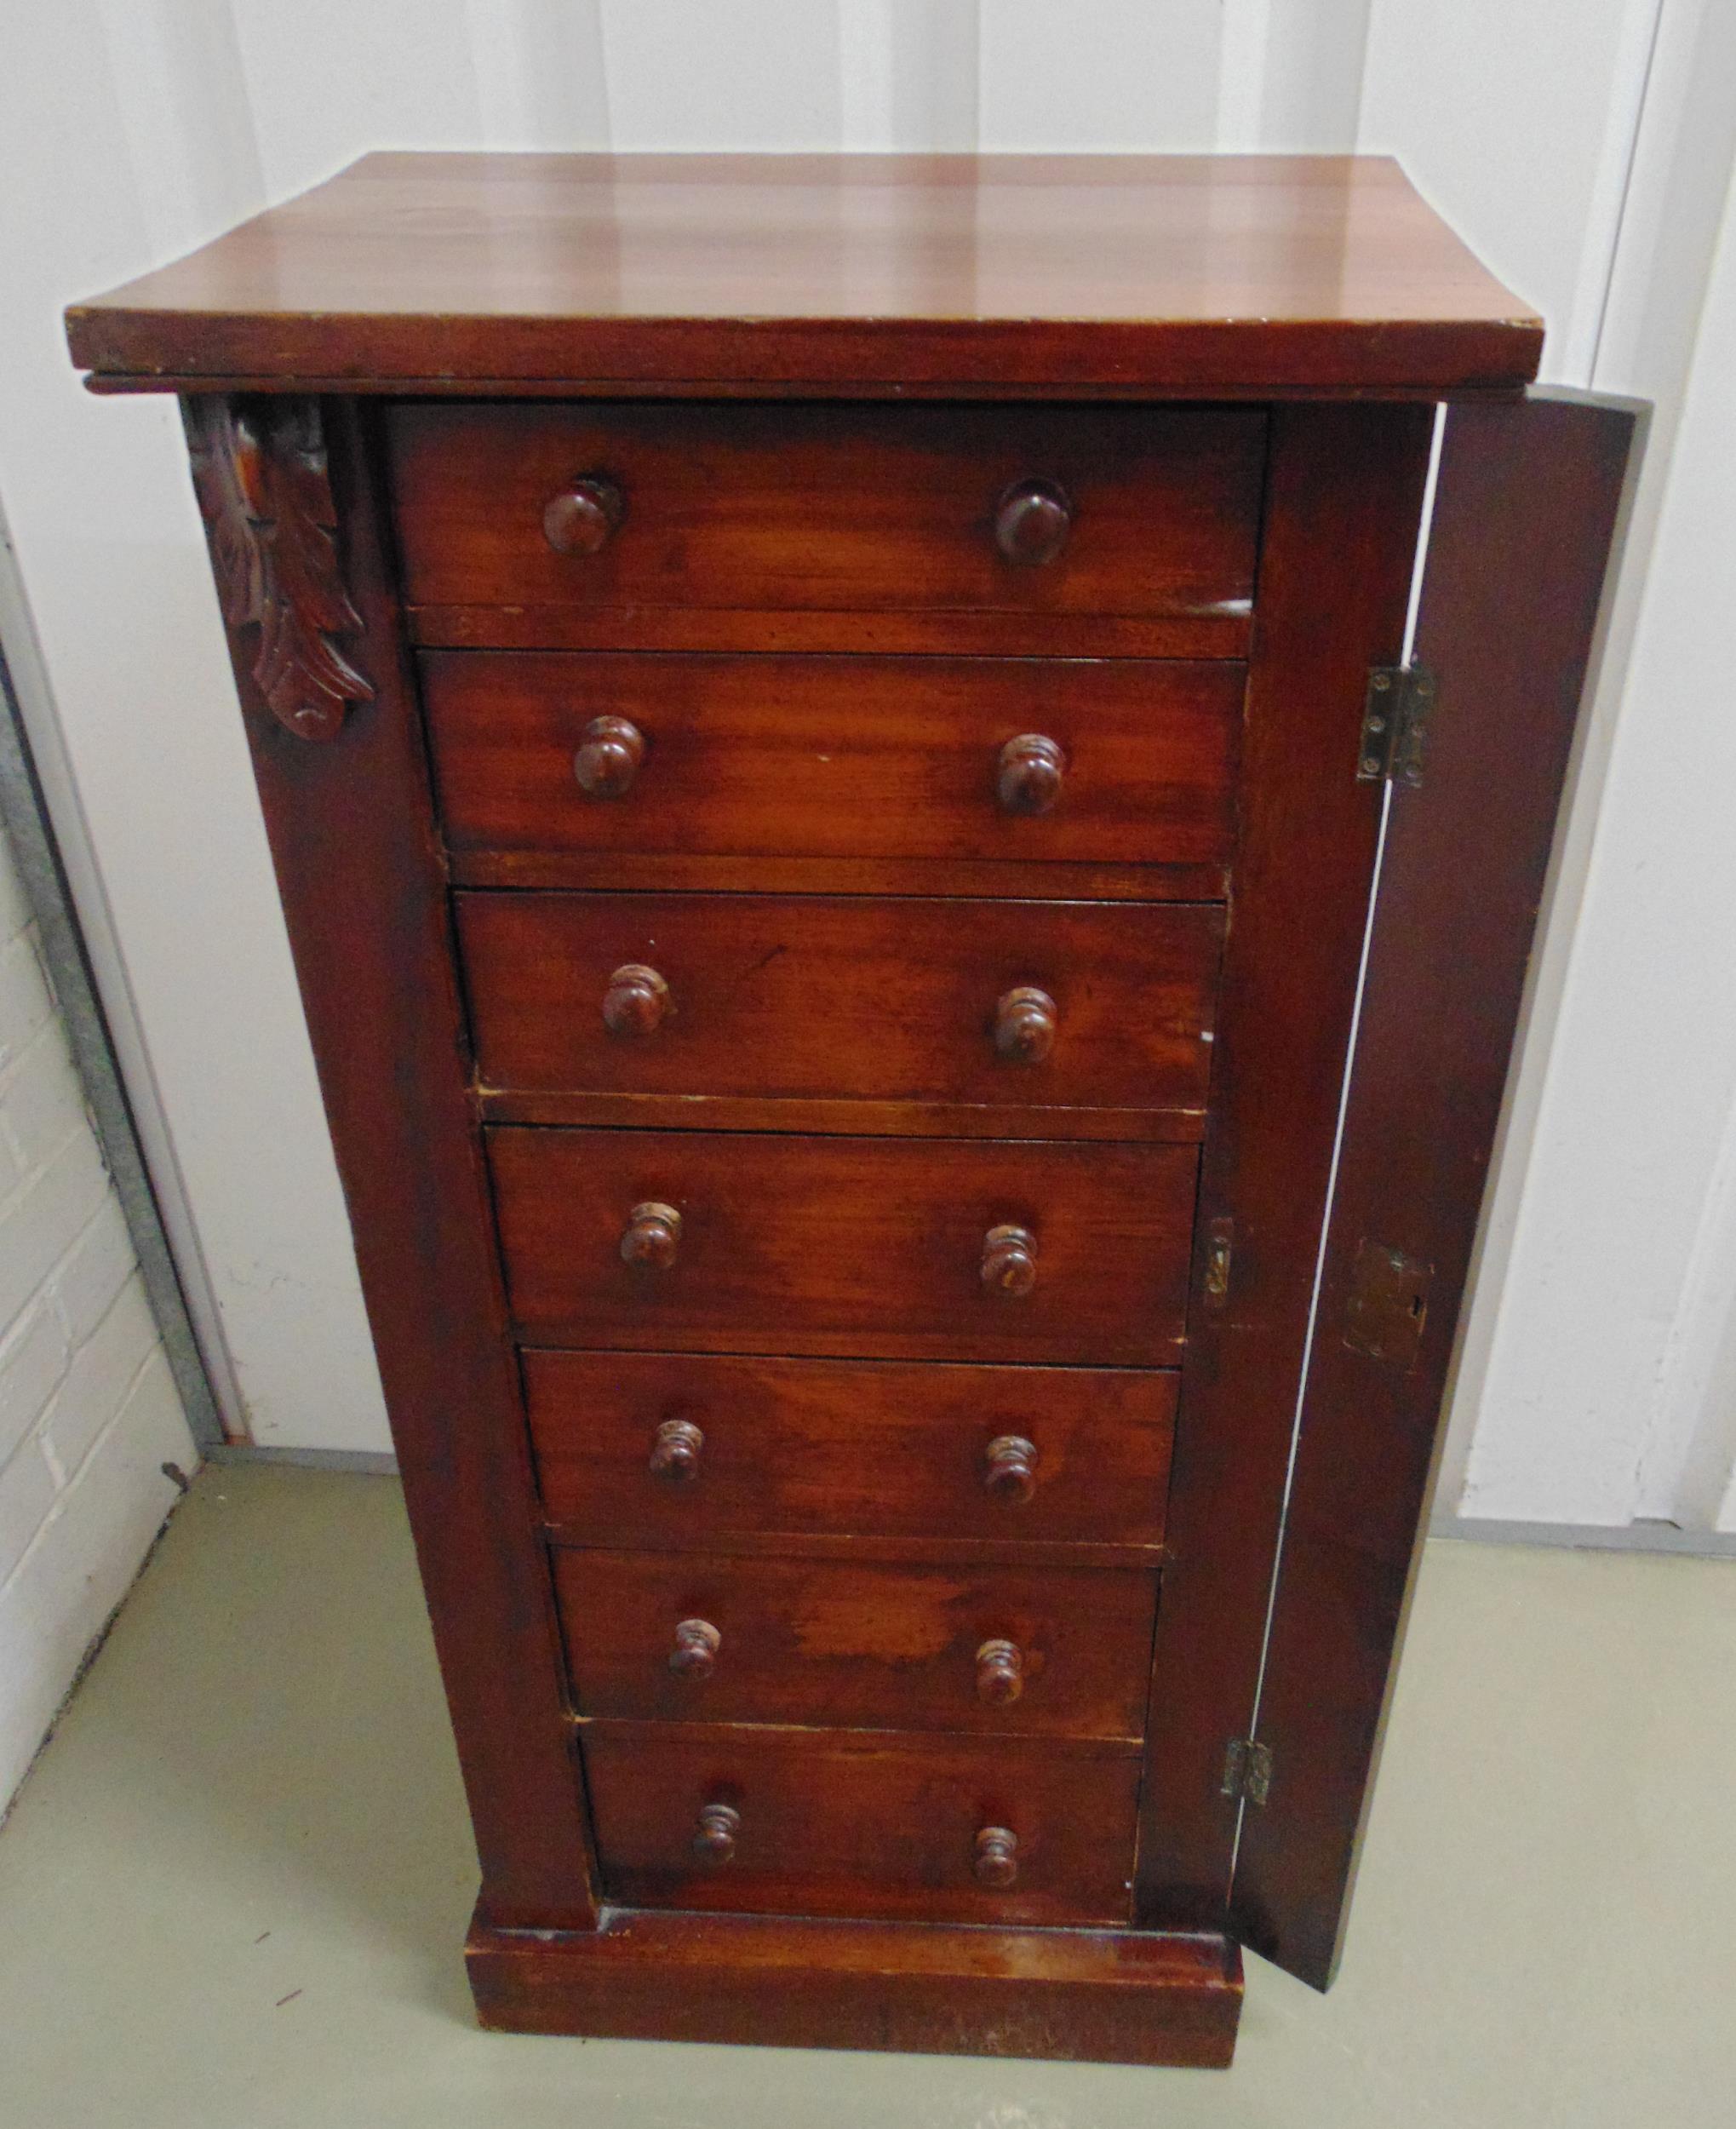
694	1654
1032	521
1009	1471
1025	1025
583	518
1028	773
714	1834
996	1863
1001	1674
675	1452
1010	1261
651	1236
636	1000
608	760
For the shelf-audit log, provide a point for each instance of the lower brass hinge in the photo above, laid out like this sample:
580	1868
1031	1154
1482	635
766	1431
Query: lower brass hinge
1394	724
1248	1771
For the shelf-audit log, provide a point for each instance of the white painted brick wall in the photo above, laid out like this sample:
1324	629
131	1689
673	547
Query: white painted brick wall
88	1413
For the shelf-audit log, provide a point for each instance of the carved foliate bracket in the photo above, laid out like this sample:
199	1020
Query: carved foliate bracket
260	474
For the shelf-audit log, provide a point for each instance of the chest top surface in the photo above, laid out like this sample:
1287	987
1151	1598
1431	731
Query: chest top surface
1190	275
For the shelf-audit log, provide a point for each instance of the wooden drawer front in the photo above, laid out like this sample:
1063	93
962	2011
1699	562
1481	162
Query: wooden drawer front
1050	1651
865	758
874	1826
868	1247
841	508
688	1448
846	998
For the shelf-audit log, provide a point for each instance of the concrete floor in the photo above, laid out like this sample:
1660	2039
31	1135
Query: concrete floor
232	1892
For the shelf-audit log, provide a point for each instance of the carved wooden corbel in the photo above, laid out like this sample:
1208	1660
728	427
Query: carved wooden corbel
264	489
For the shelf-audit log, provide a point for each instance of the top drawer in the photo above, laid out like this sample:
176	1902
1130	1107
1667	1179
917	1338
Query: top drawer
1057	512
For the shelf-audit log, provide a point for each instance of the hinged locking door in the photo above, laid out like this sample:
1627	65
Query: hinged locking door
1528	504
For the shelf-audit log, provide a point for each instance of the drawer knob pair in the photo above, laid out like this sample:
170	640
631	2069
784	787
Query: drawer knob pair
583	518
1032	519
1010	1461
994	1862
638	1001
1029	770
1001	1664
652	1241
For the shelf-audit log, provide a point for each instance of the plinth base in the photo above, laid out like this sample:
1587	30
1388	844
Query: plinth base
1082	1995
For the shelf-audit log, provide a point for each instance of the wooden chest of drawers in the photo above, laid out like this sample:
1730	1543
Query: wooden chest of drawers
830	848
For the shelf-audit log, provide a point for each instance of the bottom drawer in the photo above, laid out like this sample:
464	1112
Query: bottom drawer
804	1822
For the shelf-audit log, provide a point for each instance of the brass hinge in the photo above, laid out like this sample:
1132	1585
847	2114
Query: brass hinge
1248	1771
1394	724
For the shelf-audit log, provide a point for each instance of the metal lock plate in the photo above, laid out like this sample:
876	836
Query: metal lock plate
1389	1303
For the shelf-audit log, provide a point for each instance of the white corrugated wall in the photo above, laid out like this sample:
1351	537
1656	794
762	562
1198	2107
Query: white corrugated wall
1585	151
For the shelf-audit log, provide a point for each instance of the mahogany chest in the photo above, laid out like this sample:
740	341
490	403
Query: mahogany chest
912	913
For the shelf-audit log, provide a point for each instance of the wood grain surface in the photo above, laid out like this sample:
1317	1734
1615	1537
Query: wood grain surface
1345	482
868	1247
777	758
1179	273
829	509
849	999
868	1824
866	1646
350	823
1097	1996
824	861
1528	504
846	1449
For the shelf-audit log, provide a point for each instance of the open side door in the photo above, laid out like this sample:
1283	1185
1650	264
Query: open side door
1529	505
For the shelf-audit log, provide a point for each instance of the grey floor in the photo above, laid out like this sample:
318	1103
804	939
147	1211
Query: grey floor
232	1892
